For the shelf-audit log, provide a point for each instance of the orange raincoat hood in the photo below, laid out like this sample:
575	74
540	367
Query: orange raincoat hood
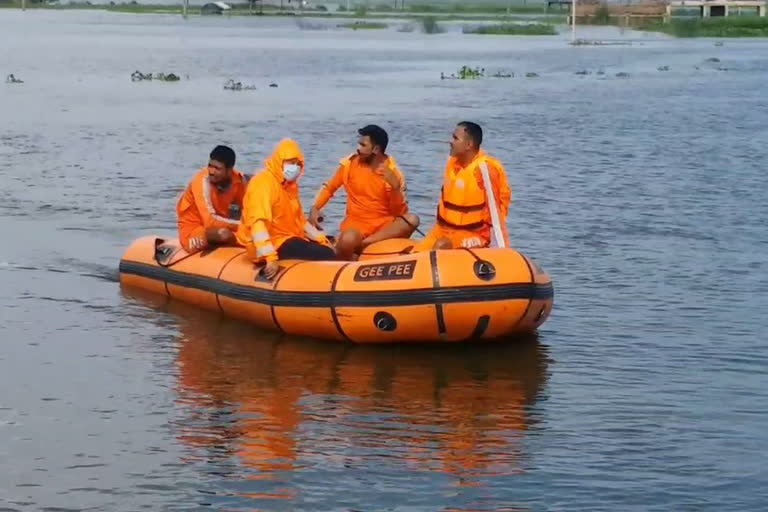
285	150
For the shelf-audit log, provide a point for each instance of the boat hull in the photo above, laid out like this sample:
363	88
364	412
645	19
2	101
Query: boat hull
443	296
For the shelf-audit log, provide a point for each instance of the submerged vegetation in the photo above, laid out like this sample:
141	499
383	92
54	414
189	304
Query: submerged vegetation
231	85
512	29
364	25
430	26
138	76
589	42
473	8
465	73
476	73
468	73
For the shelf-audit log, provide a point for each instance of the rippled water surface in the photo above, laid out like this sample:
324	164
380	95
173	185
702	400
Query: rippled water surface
644	197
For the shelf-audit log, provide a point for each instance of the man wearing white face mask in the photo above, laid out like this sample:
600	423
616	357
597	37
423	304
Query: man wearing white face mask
273	225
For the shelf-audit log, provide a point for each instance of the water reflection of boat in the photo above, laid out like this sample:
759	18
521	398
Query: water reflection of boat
272	405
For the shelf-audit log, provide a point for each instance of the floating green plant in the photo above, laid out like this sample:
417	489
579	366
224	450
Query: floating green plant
469	73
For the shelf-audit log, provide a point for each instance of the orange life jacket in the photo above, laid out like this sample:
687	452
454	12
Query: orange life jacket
462	200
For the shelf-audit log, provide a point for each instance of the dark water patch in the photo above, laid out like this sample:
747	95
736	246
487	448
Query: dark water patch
51	299
54	208
95	490
86	466
155	487
75	228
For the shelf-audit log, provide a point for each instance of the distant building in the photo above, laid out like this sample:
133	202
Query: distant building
214	8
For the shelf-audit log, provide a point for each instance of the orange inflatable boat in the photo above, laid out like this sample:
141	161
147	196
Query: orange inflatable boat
389	296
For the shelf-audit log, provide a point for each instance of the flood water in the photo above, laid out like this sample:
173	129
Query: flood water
644	197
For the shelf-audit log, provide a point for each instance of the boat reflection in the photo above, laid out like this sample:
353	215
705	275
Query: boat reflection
266	405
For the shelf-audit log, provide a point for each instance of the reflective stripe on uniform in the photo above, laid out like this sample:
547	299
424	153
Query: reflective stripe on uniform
197	243
209	204
472	242
260	236
265	250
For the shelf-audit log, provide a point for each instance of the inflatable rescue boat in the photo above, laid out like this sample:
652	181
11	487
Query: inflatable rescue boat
388	296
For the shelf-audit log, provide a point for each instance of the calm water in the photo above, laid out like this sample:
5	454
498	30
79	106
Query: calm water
644	197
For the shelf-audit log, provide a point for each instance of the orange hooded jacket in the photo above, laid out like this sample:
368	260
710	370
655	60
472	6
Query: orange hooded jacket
202	206
272	211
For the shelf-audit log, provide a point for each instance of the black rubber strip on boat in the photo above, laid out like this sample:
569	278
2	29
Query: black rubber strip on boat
334	315
436	286
480	327
272	306
416	297
223	267
530	301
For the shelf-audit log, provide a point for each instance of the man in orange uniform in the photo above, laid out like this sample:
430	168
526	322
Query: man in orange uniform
464	216
208	211
377	206
273	225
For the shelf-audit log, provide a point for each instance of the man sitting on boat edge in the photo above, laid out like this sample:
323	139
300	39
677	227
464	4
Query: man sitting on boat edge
208	211
474	198
377	205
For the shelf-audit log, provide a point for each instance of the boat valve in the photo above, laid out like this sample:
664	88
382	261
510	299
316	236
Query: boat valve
484	270
384	321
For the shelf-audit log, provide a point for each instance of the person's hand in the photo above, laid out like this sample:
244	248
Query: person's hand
226	236
219	236
388	174
270	269
314	217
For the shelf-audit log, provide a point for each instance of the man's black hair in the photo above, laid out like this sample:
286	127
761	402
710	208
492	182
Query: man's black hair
474	131
377	134
223	154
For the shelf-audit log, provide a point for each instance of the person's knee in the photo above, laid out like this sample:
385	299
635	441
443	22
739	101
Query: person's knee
442	243
349	240
349	243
